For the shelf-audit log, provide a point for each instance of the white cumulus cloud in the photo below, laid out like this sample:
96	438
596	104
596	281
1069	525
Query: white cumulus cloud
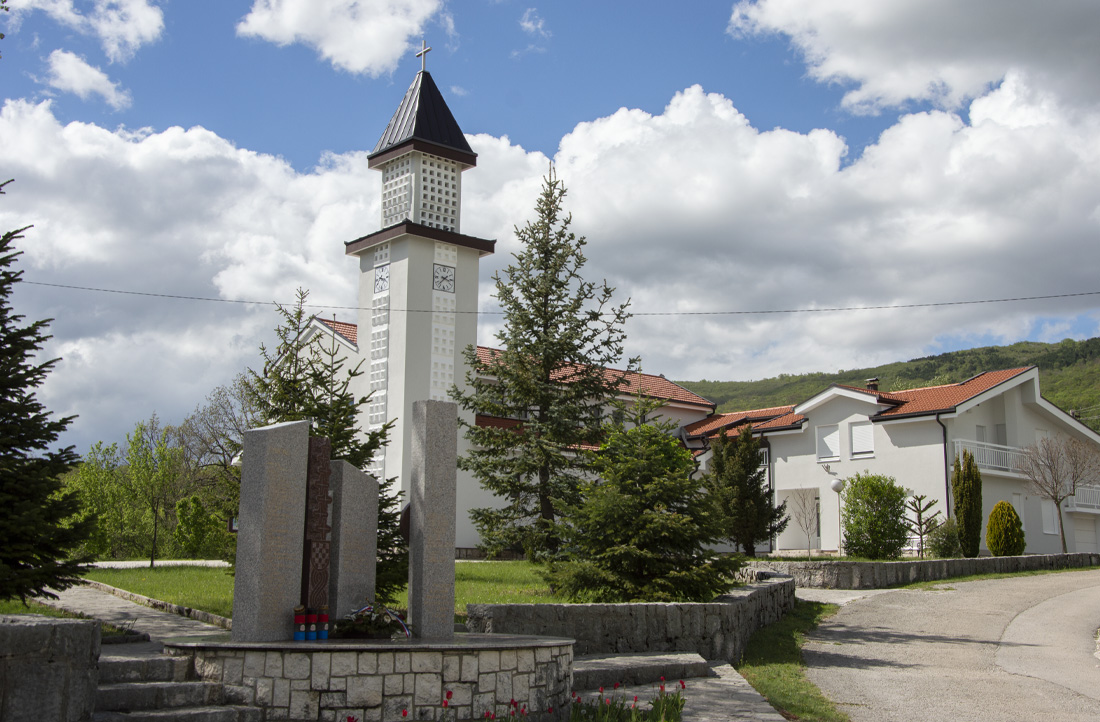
360	36
70	73
122	26
934	50
688	211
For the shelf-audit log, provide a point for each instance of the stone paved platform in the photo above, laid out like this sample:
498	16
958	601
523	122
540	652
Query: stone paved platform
724	696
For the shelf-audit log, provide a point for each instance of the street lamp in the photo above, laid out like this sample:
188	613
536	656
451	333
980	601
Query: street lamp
837	485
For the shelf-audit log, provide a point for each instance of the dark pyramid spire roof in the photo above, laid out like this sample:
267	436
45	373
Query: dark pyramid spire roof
424	122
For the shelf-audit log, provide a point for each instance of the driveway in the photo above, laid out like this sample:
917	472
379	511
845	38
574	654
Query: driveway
1005	649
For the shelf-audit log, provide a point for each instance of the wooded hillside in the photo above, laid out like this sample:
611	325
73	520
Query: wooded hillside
1069	376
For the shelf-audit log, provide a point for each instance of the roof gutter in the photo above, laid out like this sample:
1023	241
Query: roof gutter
946	473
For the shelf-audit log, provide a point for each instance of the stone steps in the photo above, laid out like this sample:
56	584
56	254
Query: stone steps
126	696
185	714
156	688
595	671
153	668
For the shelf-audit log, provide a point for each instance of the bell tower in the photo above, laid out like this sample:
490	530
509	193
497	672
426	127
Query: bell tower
418	275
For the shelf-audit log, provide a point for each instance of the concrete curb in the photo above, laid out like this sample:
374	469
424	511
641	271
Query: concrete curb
196	614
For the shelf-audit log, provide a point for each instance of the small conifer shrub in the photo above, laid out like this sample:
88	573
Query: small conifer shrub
1004	533
943	541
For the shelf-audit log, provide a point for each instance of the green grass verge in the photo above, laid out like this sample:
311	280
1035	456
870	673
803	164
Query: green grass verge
207	588
943	584
772	664
14	606
211	589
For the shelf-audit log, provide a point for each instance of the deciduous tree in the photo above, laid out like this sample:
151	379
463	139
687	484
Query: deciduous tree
874	517
1056	466
804	511
560	335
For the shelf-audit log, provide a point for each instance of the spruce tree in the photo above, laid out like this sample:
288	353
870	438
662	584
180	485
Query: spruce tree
739	488
642	529
308	379
560	335
966	488
38	532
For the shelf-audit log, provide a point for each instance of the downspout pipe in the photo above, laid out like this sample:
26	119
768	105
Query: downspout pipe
946	470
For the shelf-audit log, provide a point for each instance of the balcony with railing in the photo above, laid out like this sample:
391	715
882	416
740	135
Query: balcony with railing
992	457
1087	499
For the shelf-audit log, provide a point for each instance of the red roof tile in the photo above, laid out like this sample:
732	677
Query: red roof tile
636	383
933	399
711	424
347	330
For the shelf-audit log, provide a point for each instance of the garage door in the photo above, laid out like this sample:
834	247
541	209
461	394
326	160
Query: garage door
1085	532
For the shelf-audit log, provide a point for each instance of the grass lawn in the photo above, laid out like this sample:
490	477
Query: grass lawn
211	589
14	606
772	663
207	588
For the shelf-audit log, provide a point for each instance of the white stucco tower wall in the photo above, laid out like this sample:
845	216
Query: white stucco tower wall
418	281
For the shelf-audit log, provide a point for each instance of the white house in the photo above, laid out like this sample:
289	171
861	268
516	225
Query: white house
418	284
914	437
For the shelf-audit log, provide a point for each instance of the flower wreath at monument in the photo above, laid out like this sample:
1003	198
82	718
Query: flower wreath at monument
372	621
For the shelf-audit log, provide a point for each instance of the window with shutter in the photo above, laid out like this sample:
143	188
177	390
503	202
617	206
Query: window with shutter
862	435
828	442
1050	517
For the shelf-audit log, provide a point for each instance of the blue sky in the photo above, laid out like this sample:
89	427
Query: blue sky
587	61
728	156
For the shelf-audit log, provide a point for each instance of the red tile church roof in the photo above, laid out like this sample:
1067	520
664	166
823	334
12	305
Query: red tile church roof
347	330
636	383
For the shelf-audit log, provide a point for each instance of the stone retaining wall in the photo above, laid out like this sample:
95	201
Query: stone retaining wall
381	681
48	668
879	575
715	630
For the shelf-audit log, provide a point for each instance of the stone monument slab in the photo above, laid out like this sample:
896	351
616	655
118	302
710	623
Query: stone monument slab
268	576
432	519
354	547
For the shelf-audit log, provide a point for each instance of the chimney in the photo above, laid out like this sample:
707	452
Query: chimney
872	384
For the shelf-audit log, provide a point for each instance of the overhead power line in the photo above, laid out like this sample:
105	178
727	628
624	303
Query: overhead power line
755	312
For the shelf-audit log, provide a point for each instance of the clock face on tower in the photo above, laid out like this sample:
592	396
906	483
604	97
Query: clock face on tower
444	278
382	278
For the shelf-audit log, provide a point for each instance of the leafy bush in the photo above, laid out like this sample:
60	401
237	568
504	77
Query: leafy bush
943	541
874	517
1004	533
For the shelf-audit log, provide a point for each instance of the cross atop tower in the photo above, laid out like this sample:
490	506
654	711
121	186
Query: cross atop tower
423	55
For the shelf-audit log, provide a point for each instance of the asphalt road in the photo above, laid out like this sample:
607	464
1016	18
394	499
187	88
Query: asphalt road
1006	649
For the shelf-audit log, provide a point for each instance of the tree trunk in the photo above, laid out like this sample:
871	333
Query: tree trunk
153	549
1061	526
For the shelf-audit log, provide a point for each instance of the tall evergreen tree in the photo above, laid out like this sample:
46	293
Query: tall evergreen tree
560	335
739	488
966	488
308	379
643	528
38	532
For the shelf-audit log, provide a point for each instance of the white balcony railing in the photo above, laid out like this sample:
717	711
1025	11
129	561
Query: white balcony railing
992	456
1087	498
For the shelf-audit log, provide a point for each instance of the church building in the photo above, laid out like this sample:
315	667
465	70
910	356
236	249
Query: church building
418	286
418	301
